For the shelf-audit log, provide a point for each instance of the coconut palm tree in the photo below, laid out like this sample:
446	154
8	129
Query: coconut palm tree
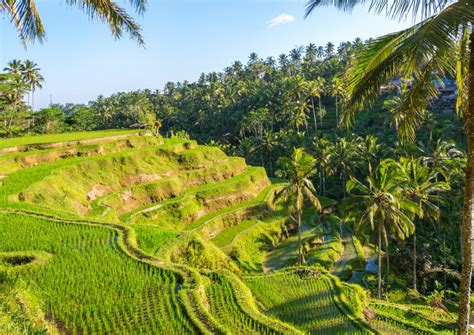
337	90
27	20
297	169
436	46
343	161
381	204
423	189
323	152
329	49
14	67
401	119
31	76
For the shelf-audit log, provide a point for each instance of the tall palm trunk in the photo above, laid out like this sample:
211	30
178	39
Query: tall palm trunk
324	182
414	259
387	257
379	265
337	113
314	115
300	254
466	273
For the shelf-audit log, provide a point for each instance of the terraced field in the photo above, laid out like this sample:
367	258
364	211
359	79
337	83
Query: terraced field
120	233
309	302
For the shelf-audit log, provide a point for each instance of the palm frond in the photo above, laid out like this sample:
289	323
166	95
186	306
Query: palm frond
462	70
25	17
394	9
409	53
114	15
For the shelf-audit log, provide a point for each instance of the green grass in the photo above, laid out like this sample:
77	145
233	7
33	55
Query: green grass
249	247
328	253
64	137
162	255
285	253
18	160
310	304
226	236
90	285
173	212
224	307
208	218
64	184
151	238
406	319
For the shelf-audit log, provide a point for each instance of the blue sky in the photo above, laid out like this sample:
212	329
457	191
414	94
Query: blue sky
184	38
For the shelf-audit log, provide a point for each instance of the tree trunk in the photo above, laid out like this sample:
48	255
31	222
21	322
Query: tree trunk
466	273
343	184
324	182
387	257
379	269
337	114
271	164
314	115
300	254
414	260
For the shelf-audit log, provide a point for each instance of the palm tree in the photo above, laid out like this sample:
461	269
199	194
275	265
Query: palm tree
381	204
343	161
27	21
329	49
438	45
423	189
14	67
298	169
337	90
315	88
323	150
404	121
32	77
320	52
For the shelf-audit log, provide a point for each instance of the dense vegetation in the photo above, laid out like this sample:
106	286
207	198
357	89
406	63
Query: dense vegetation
189	233
91	226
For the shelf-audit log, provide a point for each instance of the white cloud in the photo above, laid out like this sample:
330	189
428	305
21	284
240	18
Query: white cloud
280	19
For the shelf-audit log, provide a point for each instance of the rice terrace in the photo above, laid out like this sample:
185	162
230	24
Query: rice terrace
172	180
157	235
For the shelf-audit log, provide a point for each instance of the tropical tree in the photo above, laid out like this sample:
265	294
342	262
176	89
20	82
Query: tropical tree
381	204
315	88
436	46
401	118
338	91
31	76
27	20
343	160
12	106
14	67
423	189
323	152
297	169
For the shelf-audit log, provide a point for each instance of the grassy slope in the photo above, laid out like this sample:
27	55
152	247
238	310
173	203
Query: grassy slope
52	138
311	304
88	266
248	247
284	254
195	202
93	167
245	242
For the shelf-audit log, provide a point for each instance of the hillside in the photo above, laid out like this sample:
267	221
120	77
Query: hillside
122	233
